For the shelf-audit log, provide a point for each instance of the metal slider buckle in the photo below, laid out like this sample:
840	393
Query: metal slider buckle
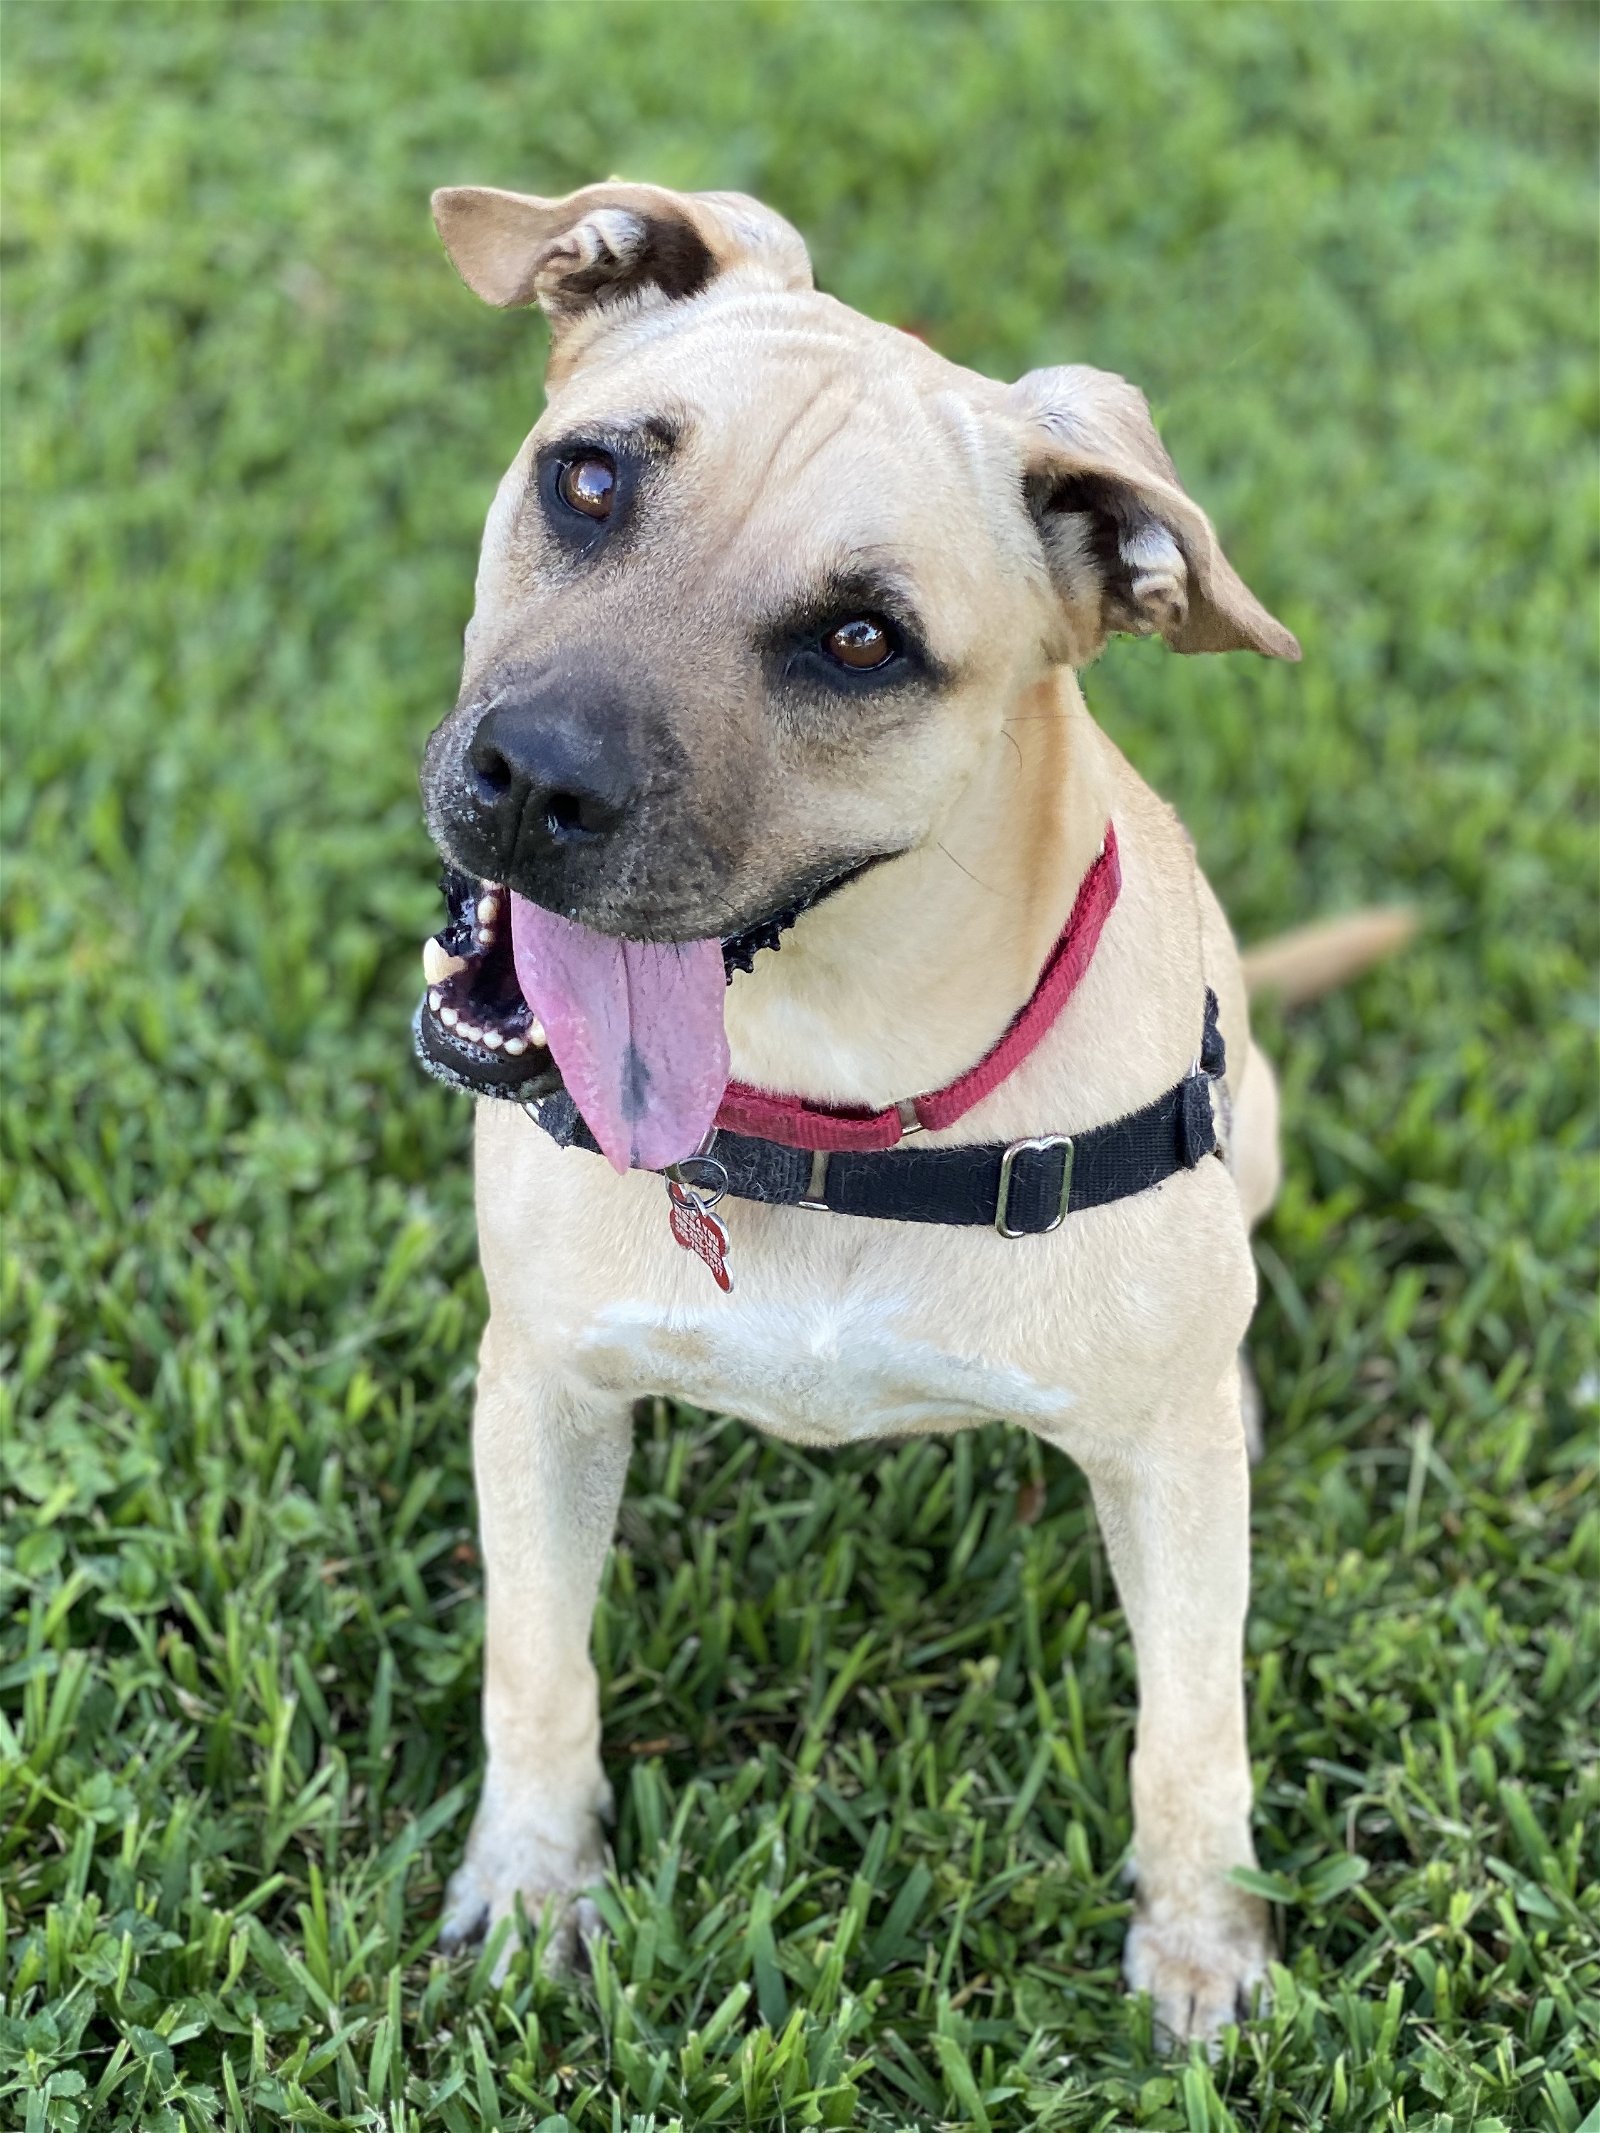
816	1183
1002	1204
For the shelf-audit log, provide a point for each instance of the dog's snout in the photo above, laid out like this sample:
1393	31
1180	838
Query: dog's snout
565	780
543	777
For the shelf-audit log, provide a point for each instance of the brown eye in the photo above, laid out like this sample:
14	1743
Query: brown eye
861	643
588	485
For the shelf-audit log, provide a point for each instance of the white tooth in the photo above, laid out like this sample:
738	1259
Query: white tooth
433	1001
470	1031
488	910
438	963
536	1033
449	1017
515	1047
493	1039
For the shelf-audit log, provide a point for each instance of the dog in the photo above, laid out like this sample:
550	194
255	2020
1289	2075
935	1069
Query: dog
874	1056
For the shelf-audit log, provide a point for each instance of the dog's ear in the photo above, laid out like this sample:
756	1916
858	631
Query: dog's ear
610	242
1129	549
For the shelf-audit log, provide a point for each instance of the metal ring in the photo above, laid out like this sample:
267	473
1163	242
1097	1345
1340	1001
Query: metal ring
687	1176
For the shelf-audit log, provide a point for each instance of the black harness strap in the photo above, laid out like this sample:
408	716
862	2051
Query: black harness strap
1022	1189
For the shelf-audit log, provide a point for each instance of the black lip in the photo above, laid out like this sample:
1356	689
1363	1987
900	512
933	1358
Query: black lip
739	950
469	1067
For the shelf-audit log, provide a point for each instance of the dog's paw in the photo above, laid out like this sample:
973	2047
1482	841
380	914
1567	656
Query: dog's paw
1202	1968
546	1860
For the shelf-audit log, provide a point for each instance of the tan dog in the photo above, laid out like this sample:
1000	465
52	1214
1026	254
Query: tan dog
776	604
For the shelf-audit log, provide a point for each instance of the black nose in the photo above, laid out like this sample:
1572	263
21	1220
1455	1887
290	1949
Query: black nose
545	779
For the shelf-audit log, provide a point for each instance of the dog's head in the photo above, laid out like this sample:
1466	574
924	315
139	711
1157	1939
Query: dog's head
752	601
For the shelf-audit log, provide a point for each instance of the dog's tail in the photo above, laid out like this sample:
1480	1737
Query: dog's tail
1312	960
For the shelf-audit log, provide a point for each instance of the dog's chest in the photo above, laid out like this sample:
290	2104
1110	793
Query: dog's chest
825	1370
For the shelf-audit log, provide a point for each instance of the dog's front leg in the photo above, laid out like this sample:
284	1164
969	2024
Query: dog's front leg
550	1469
1176	1524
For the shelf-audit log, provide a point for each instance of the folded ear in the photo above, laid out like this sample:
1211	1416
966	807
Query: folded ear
1128	548
611	241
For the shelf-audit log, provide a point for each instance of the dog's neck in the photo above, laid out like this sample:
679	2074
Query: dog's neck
905	979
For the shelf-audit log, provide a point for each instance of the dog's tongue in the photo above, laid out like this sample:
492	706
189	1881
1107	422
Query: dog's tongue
636	1029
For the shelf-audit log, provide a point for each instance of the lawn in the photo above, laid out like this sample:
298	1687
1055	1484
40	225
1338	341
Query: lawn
866	1715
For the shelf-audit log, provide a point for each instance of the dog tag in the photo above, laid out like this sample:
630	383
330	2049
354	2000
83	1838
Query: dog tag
699	1231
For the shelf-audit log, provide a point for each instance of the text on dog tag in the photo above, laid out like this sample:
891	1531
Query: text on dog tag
699	1231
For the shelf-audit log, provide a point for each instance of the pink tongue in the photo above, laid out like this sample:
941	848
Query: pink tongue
636	1029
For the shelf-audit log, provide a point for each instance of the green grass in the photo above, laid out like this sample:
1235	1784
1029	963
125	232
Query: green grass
867	1715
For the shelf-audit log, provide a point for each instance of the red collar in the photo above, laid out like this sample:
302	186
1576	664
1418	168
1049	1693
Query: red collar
798	1123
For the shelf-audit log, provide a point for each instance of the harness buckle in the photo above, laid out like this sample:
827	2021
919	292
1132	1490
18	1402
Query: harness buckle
816	1192
1038	1146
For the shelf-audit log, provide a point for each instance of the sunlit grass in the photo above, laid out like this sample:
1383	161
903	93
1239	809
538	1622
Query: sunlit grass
867	1716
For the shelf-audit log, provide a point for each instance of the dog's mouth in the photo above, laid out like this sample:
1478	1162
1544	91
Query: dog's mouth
632	1029
473	1021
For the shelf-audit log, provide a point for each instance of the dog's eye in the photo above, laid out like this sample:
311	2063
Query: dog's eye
861	643
588	485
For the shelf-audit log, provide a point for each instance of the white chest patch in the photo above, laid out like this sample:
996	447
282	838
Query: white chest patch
822	1372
